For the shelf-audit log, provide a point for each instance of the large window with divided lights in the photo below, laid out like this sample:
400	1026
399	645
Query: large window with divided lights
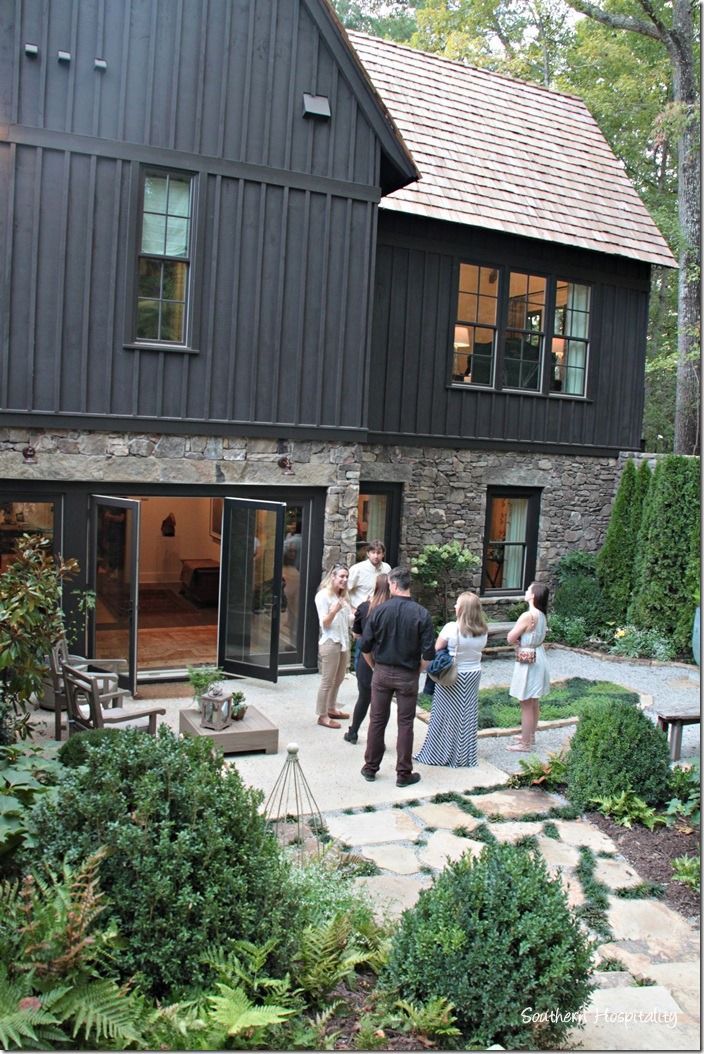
520	331
164	258
510	539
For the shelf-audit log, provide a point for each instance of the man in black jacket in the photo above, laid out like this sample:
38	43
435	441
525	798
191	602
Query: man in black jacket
398	643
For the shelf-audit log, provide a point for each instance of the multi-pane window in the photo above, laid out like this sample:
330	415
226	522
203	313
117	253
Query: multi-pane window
475	332
164	258
570	343
524	336
510	539
505	321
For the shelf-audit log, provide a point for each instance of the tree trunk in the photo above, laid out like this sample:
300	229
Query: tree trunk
687	438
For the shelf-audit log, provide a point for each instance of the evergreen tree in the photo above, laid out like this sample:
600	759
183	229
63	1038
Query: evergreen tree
662	598
614	563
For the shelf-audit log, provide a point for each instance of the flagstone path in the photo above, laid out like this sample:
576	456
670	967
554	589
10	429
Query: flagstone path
647	999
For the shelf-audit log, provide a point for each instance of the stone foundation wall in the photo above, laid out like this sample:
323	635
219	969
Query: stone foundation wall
444	490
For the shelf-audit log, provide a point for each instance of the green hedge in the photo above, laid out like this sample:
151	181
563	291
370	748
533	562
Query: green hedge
663	598
615	564
617	748
190	861
495	937
579	596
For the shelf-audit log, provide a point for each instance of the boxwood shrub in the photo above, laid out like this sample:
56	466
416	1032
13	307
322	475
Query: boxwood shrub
190	861
580	597
616	748
495	936
74	750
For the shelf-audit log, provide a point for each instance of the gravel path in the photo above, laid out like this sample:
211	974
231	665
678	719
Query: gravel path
662	682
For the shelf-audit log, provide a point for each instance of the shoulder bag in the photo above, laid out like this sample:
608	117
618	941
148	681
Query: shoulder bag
443	669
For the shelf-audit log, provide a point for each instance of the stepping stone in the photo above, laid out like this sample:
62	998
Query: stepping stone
616	874
392	858
683	981
579	832
613	979
447	815
634	1019
557	854
444	847
369	828
512	804
391	895
663	934
630	954
573	888
512	830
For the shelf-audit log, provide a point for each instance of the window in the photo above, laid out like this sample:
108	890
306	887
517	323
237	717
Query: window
510	539
23	517
164	258
570	344
518	314
524	337
378	516
475	332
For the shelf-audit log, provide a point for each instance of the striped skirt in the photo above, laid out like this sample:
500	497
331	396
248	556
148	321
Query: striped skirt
452	732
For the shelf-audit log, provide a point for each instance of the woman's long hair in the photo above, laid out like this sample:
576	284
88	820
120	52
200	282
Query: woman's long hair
470	617
381	592
326	583
541	595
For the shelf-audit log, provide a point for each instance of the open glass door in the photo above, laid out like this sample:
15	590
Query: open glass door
115	580
251	587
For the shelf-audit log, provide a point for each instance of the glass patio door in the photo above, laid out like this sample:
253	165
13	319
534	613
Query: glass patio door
251	579
114	577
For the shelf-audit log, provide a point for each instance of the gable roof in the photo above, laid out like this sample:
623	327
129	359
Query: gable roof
508	155
397	165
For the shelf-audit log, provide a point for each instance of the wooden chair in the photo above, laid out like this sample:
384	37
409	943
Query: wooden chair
55	693
93	701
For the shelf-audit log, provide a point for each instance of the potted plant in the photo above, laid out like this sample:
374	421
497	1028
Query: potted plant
239	707
201	678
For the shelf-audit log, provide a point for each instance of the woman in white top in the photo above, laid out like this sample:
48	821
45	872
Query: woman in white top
530	681
335	617
452	732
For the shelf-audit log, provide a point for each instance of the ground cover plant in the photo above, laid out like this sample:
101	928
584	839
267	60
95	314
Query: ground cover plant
493	936
189	860
567	699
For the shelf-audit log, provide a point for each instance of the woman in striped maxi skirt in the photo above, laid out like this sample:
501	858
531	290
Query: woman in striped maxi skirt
452	732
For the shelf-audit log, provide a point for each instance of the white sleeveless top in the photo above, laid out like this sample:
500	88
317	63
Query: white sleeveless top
467	651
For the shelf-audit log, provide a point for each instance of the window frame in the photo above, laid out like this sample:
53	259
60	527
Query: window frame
192	301
393	492
533	494
502	328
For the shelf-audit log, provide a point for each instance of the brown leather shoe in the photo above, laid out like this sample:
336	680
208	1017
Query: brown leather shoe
339	714
327	723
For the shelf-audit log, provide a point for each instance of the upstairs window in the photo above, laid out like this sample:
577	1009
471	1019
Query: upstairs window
524	338
164	258
508	322
475	332
570	343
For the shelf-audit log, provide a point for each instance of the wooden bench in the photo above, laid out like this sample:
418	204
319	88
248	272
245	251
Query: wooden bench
672	717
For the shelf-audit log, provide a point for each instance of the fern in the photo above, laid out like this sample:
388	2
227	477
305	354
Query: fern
327	954
433	1018
98	1010
235	1013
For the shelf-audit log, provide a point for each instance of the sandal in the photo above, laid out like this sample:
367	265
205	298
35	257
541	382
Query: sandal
517	748
327	723
339	714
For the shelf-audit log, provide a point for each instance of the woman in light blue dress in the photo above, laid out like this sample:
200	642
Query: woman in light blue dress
530	681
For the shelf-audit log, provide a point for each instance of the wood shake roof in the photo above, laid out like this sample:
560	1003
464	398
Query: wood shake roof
507	155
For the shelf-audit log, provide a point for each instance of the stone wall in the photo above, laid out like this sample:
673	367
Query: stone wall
444	490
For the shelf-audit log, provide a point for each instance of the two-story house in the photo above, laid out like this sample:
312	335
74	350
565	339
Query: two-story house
268	291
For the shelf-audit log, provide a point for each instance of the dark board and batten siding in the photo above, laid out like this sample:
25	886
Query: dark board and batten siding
285	215
213	78
415	301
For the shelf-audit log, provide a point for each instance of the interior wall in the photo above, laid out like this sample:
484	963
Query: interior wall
160	555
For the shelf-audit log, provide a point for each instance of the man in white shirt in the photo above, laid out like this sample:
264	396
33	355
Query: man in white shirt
362	580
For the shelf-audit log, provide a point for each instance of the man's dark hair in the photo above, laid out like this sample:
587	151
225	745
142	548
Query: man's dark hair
541	595
376	546
402	577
